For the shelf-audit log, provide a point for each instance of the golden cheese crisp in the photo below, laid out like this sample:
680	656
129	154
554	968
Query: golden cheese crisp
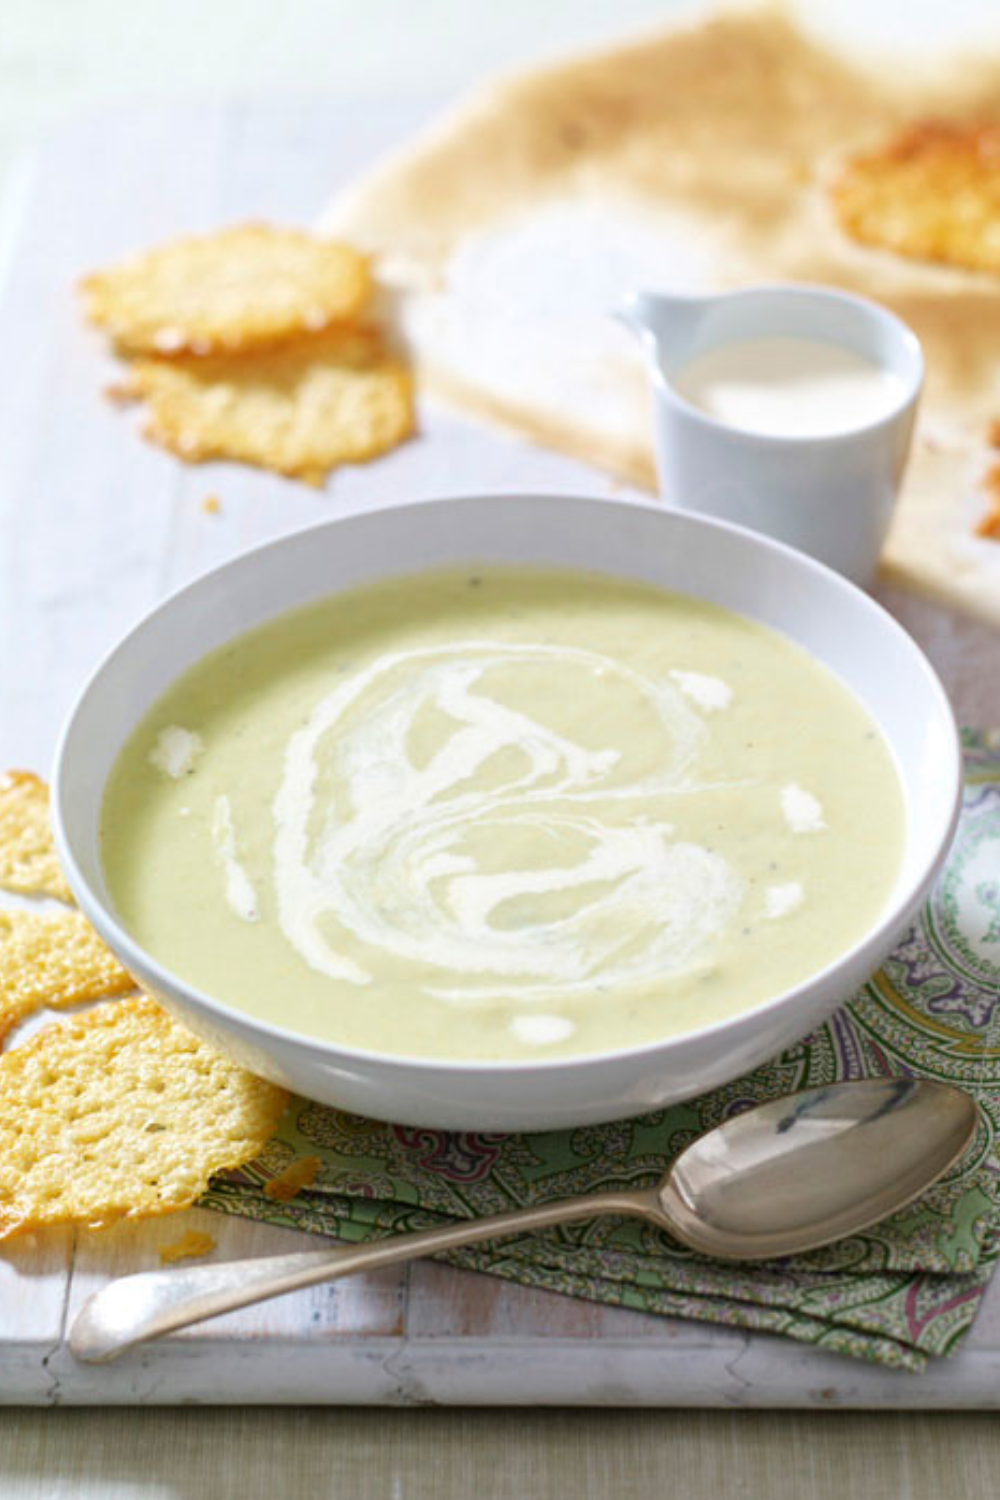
28	860
300	1173
302	409
931	193
240	288
988	526
56	959
192	1243
121	1113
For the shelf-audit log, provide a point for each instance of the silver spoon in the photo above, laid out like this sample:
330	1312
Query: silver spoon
784	1177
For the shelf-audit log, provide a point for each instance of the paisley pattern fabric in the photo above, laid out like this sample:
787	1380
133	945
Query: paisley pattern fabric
899	1292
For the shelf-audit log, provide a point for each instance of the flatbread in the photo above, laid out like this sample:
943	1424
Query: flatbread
697	159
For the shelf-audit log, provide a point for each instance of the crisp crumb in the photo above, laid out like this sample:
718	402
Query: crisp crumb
989	525
119	394
211	505
192	1243
299	1174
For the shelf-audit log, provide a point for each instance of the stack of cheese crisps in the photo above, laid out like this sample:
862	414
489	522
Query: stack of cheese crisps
116	1112
255	344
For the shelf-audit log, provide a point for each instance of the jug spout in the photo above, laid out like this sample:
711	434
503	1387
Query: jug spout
667	325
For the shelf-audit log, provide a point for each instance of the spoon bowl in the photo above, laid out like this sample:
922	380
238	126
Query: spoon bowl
786	1176
814	1167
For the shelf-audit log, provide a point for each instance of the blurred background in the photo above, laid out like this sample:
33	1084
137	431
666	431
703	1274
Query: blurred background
62	56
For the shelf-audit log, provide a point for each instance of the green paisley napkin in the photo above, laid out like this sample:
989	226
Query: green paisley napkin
904	1290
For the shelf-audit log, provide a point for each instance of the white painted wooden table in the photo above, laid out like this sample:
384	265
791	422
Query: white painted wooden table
94	526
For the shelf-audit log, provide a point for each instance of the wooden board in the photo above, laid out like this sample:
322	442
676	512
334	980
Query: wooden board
95	526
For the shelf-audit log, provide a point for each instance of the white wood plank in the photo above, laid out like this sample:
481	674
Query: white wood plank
363	1306
34	1279
83	512
446	1304
94	525
688	1366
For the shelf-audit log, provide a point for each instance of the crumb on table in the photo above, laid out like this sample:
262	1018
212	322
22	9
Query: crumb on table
193	1242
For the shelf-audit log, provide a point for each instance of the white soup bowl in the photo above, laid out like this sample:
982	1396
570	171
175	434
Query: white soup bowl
711	560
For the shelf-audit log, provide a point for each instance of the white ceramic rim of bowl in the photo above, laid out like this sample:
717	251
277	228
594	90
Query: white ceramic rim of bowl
804	292
127	949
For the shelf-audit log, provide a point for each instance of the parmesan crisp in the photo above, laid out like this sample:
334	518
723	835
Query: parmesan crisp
121	1113
53	959
301	409
28	860
237	289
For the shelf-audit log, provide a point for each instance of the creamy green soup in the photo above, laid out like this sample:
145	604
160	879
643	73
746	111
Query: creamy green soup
502	814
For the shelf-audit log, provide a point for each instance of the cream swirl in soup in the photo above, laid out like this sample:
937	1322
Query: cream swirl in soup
502	814
400	859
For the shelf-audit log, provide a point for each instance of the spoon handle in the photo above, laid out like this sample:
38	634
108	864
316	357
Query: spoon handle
136	1308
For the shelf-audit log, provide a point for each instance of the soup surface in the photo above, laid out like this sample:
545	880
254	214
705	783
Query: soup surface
502	814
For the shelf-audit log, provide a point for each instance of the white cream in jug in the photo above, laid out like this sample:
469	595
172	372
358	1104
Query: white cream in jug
788	387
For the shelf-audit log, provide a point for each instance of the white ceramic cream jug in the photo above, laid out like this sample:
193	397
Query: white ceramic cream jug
830	494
